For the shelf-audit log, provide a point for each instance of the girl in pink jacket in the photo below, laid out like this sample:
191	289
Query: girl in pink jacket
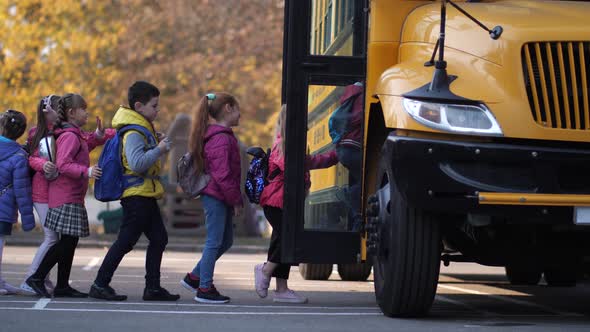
215	151
272	202
67	214
46	171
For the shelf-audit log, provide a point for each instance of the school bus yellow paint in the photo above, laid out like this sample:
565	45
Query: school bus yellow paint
533	199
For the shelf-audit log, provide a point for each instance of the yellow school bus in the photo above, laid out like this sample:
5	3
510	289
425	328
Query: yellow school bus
475	145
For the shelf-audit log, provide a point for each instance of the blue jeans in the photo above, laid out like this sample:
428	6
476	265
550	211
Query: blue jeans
220	237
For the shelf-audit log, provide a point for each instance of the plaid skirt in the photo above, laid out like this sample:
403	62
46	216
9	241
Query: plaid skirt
69	219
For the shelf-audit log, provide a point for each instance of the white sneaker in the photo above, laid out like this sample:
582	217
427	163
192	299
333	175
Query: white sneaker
261	281
3	292
10	290
289	296
26	289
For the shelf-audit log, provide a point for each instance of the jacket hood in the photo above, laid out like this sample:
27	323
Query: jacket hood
8	148
126	116
215	129
68	129
351	90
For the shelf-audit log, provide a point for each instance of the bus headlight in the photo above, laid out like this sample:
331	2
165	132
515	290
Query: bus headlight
463	119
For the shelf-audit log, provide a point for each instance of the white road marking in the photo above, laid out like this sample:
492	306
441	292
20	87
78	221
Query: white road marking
511	300
41	304
91	264
237	306
234	313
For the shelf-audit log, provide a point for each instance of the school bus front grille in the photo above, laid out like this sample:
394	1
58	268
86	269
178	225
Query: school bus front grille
556	79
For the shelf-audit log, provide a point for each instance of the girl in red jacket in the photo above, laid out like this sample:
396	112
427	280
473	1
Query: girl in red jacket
215	151
67	214
272	202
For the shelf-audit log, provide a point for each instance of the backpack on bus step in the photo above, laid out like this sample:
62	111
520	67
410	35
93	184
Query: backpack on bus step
114	181
257	176
192	184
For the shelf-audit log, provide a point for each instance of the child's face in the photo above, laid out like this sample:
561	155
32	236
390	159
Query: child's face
232	115
78	116
150	109
50	116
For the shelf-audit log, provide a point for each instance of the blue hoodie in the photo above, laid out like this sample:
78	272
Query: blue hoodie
15	185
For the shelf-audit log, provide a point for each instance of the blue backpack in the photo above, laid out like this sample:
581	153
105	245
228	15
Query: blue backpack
338	122
113	182
257	176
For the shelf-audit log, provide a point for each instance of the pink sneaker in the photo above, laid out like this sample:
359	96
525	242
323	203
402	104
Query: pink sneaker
261	281
289	296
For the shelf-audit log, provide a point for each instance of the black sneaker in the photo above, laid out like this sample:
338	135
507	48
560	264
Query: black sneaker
68	292
38	285
189	283
159	294
210	295
105	293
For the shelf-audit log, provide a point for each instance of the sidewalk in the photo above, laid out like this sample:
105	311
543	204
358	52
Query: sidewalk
246	245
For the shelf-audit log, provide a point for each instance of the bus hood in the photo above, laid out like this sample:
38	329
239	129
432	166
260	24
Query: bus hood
522	21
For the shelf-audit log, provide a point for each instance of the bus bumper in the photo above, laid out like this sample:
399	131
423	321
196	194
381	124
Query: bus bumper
504	179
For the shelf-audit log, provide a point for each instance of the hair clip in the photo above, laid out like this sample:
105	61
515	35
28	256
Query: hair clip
211	96
12	120
47	104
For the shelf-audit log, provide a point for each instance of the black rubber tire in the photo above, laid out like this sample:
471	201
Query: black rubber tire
407	264
556	277
355	271
518	275
315	271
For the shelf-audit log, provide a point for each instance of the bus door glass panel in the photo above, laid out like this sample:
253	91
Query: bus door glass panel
334	157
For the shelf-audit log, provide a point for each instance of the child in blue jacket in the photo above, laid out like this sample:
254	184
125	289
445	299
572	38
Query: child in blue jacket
15	184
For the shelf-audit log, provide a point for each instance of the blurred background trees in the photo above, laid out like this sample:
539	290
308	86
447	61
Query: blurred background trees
186	47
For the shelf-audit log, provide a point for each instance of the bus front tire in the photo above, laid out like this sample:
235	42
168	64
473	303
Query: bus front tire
407	261
315	271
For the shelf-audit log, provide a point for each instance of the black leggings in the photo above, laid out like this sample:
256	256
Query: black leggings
275	218
61	253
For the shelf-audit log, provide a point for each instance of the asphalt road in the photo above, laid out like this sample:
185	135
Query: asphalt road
469	298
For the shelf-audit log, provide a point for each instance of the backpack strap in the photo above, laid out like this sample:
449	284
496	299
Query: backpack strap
134	180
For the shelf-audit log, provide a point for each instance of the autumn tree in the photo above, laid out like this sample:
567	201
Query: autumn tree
191	47
52	47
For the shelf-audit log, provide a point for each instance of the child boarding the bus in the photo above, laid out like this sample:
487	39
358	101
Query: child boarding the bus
272	202
15	185
215	151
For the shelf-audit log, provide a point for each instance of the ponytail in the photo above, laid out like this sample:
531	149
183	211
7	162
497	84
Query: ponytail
210	105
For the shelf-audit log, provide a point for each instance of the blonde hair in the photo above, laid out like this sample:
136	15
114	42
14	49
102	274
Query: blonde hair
280	130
